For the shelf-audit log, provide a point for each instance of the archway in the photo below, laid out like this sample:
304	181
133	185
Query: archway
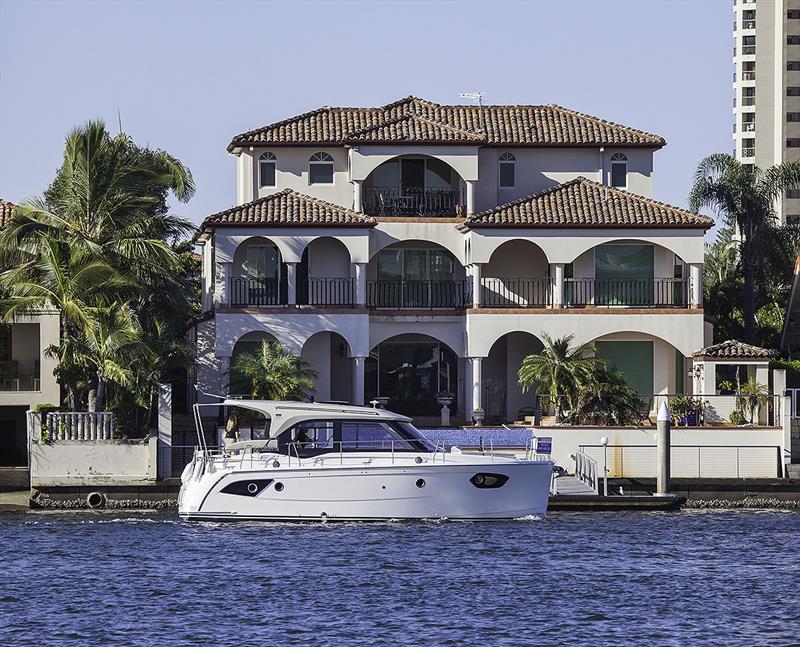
248	343
328	353
503	398
324	274
517	275
258	274
413	185
411	370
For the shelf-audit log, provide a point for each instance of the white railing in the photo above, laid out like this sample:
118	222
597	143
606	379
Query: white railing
794	394
586	469
80	426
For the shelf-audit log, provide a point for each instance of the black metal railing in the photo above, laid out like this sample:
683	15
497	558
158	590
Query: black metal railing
327	291
398	201
661	292
251	292
416	294
517	293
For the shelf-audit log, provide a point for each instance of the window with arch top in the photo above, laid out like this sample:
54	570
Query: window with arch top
267	169
320	169
507	171
619	171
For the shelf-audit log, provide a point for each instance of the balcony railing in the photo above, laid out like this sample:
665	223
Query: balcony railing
398	201
330	291
647	293
748	152
748	50
20	382
416	294
250	292
748	76
517	293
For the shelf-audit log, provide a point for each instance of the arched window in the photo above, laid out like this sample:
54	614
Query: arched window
507	171
619	171
320	169
267	165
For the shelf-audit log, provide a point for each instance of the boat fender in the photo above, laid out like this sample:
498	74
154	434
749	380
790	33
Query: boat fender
96	500
456	450
198	470
186	474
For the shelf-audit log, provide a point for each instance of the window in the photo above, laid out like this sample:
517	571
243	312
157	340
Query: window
793	142
793	40
5	342
619	171
748	45
793	116
507	170
320	169
748	71
748	147
793	14
793	92
792	66
266	169
793	193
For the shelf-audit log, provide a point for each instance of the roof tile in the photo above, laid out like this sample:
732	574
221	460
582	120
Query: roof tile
6	211
733	349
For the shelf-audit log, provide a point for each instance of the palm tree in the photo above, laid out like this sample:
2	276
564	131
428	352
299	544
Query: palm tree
276	372
745	196
559	370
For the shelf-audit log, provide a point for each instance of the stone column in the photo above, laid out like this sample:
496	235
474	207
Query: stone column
291	283
477	402
164	431
696	285
476	285
358	380
223	293
471	197
357	184
361	283
557	272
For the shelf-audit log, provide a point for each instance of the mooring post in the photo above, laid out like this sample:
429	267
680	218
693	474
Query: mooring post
663	441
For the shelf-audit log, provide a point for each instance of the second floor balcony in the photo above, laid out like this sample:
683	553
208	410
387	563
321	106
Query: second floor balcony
411	201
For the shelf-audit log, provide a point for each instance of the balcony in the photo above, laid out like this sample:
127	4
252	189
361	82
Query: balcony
255	293
409	294
316	291
13	379
748	76
748	152
631	293
517	293
748	24
749	127
748	101
328	291
410	201
748	50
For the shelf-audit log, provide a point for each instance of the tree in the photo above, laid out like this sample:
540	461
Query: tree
276	372
559	370
745	196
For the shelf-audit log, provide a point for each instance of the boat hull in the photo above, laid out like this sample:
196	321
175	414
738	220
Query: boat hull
368	494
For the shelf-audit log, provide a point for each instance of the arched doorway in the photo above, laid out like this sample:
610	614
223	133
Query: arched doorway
324	275
328	353
411	370
258	276
516	276
503	398
247	343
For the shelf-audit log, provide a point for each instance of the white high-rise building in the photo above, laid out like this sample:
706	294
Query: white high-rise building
766	80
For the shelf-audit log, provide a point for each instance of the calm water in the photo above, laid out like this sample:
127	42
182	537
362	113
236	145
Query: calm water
688	578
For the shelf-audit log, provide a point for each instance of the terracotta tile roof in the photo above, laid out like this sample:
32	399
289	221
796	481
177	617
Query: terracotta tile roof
414	129
584	203
548	125
6	210
733	349
288	208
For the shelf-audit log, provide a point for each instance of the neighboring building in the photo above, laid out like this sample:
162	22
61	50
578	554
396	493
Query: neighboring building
766	81
26	372
417	248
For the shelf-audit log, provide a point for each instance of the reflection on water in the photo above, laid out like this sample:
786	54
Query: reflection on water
695	577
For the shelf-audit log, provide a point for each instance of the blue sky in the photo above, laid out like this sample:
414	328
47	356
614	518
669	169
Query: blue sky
186	76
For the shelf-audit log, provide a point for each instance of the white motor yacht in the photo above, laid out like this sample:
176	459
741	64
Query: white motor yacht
317	461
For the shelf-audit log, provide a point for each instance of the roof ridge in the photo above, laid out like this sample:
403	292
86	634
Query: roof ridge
414	115
409	99
605	122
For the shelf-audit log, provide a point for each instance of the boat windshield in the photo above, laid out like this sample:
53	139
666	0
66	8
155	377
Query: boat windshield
320	436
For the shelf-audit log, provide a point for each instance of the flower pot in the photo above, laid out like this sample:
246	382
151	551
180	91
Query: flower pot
693	418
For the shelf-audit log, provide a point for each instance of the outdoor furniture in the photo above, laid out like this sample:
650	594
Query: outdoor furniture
9	375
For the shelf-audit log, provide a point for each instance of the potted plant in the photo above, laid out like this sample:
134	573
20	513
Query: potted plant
750	398
680	406
444	398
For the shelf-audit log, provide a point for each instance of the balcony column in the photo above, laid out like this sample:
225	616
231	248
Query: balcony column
291	283
557	272
358	380
471	197
475	364
224	365
357	195
696	285
223	284
476	285
361	283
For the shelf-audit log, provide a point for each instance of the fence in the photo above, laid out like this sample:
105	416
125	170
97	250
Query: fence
80	426
416	294
517	292
648	293
326	291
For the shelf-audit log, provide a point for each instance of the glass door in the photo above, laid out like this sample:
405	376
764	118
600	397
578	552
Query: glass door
412	185
262	269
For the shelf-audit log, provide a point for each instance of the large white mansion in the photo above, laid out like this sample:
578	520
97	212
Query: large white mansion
416	248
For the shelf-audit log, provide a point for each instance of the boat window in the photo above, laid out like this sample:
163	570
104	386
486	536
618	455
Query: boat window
317	434
372	436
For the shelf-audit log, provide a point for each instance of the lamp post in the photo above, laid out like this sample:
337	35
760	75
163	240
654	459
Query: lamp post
604	443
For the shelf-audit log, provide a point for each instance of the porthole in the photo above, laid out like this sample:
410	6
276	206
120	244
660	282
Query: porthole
279	487
276	464
420	483
487	481
252	488
418	459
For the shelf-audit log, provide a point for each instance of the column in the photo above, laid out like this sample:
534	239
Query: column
361	283
223	294
476	285
358	380
164	431
291	283
696	285
224	364
471	197
357	195
557	272
477	402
